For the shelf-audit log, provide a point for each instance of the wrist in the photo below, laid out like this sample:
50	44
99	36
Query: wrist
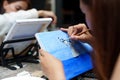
58	75
92	42
41	13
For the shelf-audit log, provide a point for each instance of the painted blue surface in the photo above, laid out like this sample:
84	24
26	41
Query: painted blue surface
59	45
77	65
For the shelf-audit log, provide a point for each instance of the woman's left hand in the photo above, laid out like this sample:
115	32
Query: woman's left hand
51	66
45	13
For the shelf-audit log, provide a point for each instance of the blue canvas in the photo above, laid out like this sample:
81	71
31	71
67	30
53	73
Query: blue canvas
78	65
74	54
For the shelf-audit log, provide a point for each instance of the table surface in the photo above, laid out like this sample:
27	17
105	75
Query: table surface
33	69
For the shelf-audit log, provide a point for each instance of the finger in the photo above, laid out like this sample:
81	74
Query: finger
75	31
82	37
54	19
73	37
64	29
70	30
41	52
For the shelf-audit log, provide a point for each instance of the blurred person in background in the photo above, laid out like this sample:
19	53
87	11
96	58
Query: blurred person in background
12	10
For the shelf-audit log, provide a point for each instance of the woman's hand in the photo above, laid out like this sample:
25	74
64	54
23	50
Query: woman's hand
79	32
44	13
51	66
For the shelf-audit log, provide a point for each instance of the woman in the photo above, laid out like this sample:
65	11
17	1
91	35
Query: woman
18	9
9	6
102	17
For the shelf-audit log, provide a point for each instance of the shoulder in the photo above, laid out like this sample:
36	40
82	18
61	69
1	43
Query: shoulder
22	14
116	72
3	20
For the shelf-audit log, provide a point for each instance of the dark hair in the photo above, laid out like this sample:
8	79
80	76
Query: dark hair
106	30
11	1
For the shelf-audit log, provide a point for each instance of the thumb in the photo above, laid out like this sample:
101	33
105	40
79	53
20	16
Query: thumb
41	53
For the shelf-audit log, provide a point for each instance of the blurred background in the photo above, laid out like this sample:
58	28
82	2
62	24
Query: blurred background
67	11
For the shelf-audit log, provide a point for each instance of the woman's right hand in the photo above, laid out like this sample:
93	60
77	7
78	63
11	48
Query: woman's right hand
79	32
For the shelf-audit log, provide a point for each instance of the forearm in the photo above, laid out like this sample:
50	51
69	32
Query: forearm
58	73
58	76
33	13
41	13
